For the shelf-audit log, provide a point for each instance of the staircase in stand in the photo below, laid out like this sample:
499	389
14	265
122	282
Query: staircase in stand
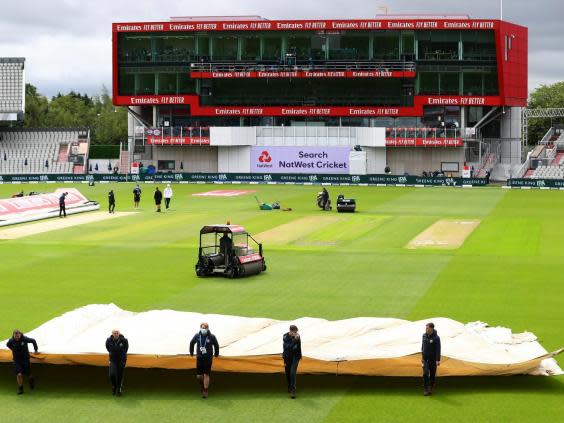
489	163
78	169
529	173
124	162
558	160
63	153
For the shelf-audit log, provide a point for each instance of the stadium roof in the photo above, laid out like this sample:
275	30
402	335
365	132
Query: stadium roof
215	18
12	59
260	18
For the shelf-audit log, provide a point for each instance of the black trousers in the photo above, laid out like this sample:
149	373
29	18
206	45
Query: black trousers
116	375
62	210
112	207
167	202
429	372
291	368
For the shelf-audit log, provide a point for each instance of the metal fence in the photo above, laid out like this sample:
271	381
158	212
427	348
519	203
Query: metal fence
334	66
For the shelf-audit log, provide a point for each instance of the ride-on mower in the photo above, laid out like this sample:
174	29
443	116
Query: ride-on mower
225	250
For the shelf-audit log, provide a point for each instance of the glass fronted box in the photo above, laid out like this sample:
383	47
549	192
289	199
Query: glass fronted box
448	45
457	80
300	92
447	63
442	80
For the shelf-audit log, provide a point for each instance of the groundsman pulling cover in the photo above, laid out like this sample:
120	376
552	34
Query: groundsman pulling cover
360	346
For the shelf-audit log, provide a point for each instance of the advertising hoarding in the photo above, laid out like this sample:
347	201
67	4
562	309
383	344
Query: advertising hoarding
319	160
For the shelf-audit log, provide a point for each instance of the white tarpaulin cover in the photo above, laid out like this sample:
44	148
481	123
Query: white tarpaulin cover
43	206
363	346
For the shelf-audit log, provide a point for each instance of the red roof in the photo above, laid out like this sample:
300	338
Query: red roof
222	229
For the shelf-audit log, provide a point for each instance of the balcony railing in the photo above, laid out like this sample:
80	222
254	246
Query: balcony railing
178	131
423	133
309	66
311	135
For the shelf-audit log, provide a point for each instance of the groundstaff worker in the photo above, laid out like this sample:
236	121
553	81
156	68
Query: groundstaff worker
62	207
111	202
206	348
136	196
167	196
225	245
117	347
20	355
158	198
431	357
292	354
325	197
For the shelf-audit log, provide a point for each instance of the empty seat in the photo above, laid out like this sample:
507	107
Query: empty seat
37	147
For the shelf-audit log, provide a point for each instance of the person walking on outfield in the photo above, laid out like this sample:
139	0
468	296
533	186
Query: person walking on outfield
62	208
167	195
20	355
206	348
430	357
158	199
117	347
325	198
136	196
292	354
111	202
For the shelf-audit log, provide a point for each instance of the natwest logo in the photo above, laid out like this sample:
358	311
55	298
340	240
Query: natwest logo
265	157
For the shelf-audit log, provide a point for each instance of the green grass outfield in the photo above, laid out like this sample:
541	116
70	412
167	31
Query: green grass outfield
509	272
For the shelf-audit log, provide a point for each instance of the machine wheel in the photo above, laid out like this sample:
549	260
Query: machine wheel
230	273
201	270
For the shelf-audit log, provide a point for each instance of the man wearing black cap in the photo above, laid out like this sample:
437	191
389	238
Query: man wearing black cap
431	357
206	348
20	354
117	347
292	354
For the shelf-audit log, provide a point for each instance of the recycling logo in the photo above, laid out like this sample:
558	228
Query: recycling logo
265	157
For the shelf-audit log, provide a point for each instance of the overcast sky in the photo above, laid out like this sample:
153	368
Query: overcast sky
67	43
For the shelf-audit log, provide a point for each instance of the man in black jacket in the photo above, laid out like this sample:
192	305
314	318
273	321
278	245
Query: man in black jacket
20	355
158	198
226	247
62	205
117	347
325	198
292	354
206	348
111	202
431	357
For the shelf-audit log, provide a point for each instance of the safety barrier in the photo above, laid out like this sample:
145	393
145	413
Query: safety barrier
252	178
536	183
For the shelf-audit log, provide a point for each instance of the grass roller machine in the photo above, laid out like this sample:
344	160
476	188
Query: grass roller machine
228	250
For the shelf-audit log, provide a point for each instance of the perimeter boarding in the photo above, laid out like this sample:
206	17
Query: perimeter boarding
206	347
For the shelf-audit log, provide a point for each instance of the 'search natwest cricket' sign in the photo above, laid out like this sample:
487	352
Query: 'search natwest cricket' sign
334	160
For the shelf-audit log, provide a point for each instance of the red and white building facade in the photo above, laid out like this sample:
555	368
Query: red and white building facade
411	94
